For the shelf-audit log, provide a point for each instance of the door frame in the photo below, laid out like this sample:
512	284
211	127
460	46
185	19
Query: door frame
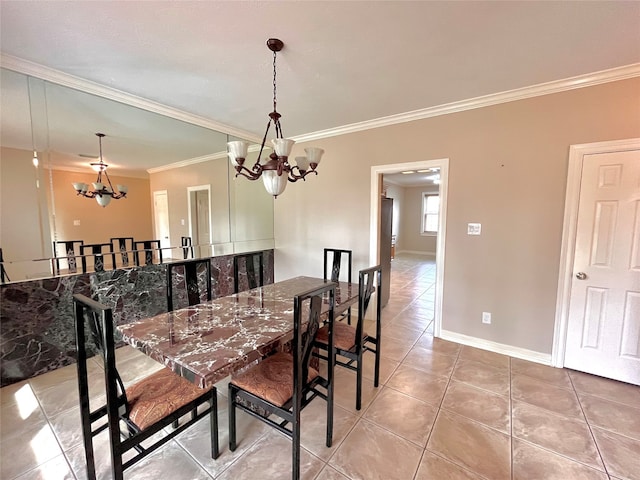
190	190
374	222
155	218
567	253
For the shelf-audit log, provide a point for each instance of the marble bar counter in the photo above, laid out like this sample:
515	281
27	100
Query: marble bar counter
36	316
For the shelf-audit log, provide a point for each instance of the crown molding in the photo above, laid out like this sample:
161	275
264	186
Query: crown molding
56	76
193	161
581	81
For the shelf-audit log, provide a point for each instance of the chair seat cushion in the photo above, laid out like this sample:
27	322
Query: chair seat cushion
159	395
344	336
271	379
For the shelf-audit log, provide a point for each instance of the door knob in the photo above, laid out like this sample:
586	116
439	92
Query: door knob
581	276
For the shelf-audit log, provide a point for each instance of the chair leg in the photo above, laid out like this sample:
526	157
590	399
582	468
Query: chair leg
376	380
359	382
295	440
232	418
213	418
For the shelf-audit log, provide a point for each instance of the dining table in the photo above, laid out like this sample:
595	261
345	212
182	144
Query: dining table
207	342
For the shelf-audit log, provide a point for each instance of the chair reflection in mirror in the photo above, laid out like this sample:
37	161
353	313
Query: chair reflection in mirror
187	247
71	254
194	276
124	245
97	251
337	258
134	413
4	278
249	276
150	249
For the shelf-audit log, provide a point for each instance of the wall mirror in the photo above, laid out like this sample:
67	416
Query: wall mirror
162	160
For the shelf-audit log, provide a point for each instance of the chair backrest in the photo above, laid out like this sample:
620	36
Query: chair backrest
249	261
71	251
370	281
148	247
99	320
187	247
192	272
124	245
334	258
307	311
97	250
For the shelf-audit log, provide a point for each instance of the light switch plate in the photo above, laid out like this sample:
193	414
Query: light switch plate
474	228
76	223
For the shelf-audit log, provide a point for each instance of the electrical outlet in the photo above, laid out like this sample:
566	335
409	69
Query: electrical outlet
486	317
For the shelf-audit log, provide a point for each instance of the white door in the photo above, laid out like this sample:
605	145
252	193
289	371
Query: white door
603	330
161	217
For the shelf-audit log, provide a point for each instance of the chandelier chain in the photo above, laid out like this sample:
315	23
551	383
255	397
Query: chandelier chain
274	81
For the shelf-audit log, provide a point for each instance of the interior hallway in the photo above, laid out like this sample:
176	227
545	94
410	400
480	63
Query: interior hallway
442	411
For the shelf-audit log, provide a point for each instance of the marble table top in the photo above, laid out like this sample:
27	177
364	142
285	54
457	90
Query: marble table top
207	342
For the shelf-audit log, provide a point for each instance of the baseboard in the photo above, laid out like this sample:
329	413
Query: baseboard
416	252
517	352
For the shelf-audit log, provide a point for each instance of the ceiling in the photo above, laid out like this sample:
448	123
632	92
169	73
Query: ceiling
343	62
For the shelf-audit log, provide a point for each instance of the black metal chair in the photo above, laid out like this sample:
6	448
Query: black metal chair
249	261
334	257
136	413
98	250
71	252
351	342
284	383
187	247
124	245
190	279
148	247
4	278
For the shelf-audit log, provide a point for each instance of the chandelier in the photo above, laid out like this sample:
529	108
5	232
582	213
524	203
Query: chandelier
103	193
276	170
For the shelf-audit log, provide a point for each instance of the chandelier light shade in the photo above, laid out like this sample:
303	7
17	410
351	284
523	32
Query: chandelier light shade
277	170
102	192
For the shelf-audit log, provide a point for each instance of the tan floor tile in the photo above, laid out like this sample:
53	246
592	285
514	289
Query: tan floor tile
418	384
344	393
430	362
330	473
605	388
620	454
481	375
533	463
412	320
408	334
57	468
556	376
433	467
480	405
60	375
371	452
394	349
471	445
387	367
616	417
34	446
438	345
492	359
559	400
170	461
403	415
270	457
314	428
11	393
566	436
26	413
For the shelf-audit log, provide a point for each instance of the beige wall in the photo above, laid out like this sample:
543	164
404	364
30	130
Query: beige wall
413	240
507	170
127	217
397	193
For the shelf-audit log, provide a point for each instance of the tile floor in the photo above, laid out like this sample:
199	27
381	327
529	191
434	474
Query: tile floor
443	411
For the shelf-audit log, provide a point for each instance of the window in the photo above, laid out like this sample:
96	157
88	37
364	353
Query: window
430	213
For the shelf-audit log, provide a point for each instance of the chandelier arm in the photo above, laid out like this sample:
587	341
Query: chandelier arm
250	174
293	177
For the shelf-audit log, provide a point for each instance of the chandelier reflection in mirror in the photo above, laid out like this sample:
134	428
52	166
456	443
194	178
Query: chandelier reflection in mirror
277	170
102	192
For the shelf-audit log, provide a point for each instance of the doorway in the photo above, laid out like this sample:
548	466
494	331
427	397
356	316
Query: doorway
161	218
374	235
199	206
598	315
